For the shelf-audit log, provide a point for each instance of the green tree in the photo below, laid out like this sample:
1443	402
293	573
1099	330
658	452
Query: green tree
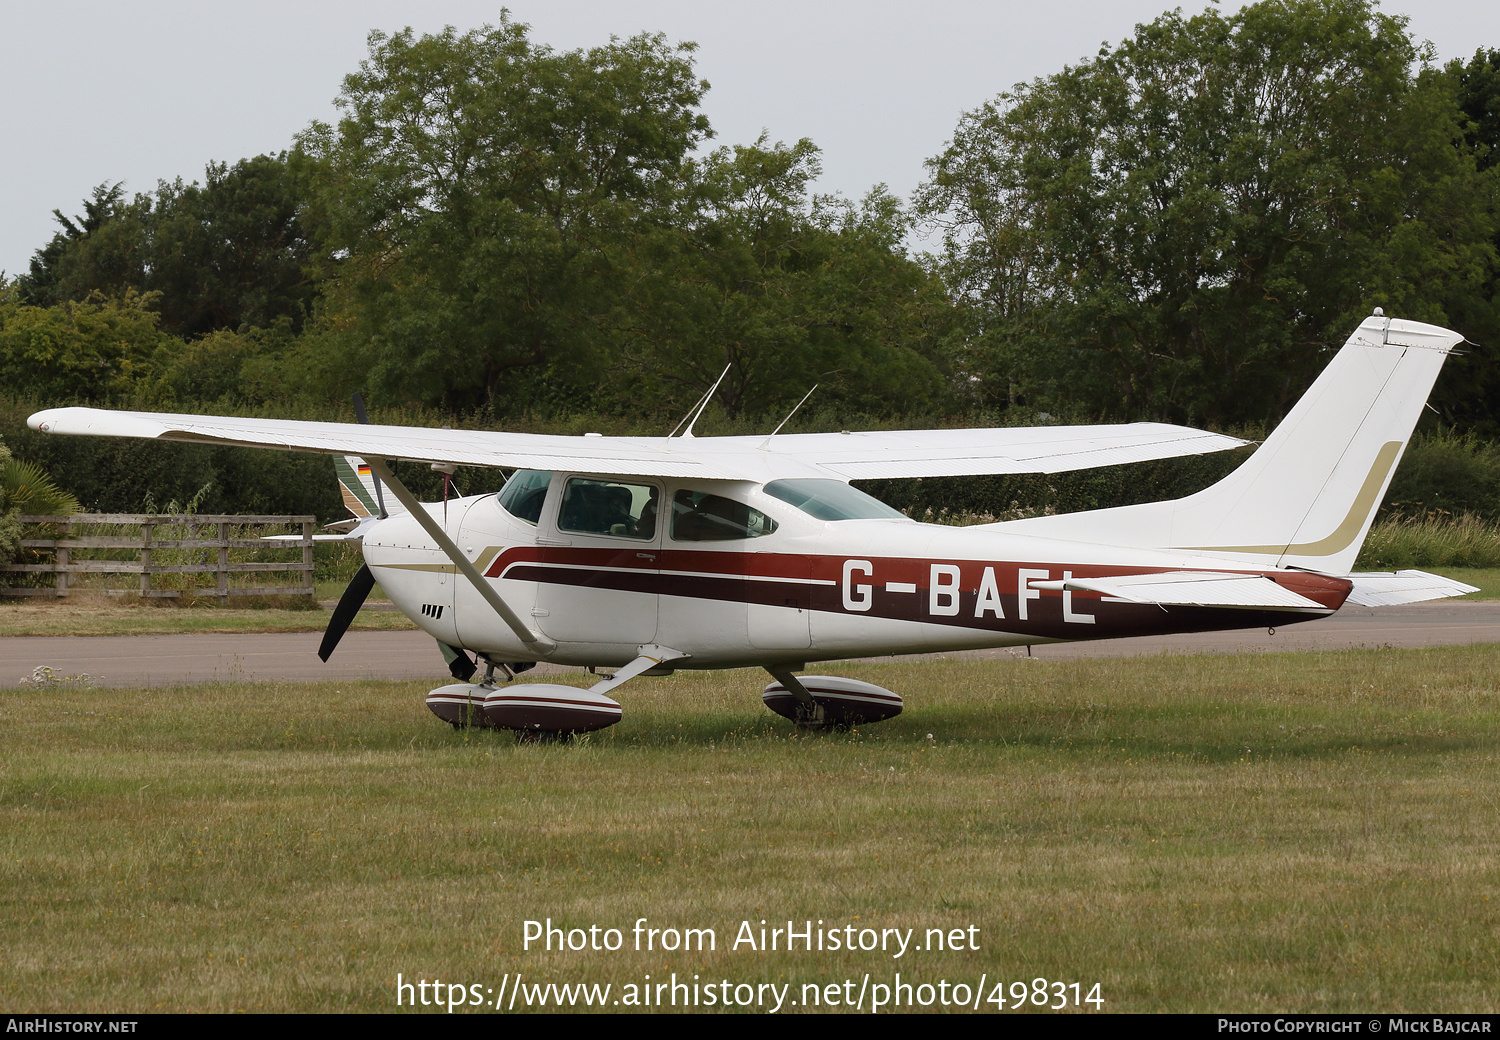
1479	100
785	289
232	252
475	186
45	283
1182	226
1468	394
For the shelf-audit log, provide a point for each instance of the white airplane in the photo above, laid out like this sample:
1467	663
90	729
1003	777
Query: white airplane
646	555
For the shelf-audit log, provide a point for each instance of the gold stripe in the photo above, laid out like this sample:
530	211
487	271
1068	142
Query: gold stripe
437	568
484	558
1343	536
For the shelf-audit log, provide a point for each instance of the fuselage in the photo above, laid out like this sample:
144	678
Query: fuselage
784	587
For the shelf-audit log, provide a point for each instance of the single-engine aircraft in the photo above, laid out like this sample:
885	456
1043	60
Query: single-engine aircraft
645	555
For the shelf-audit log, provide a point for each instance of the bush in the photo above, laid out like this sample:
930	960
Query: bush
120	475
1447	472
1434	540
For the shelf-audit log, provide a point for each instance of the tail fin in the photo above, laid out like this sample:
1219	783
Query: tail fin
1307	496
357	486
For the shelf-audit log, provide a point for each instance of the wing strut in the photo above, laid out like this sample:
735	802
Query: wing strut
523	631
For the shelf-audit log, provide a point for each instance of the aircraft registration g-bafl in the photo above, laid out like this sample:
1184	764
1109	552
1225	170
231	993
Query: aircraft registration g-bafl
646	555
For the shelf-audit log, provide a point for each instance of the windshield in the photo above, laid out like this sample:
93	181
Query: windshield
829	499
524	493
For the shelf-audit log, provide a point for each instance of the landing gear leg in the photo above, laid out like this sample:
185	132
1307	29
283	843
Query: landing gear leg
828	702
473	713
810	714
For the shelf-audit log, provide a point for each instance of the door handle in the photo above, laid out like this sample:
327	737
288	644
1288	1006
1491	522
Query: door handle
645	556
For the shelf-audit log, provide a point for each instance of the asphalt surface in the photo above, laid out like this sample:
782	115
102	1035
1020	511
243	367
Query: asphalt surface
292	657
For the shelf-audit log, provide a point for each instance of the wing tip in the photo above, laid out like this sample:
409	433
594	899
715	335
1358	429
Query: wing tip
96	421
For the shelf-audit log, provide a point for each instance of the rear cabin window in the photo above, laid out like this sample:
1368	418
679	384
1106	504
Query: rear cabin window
608	507
700	517
525	493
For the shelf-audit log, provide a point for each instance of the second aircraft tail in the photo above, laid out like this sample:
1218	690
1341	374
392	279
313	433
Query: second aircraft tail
357	488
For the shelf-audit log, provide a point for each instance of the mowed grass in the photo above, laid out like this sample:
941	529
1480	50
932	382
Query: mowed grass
1312	832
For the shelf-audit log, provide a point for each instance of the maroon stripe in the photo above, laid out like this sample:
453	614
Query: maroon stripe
914	571
728	581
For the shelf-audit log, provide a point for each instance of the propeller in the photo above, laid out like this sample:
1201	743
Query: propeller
349	604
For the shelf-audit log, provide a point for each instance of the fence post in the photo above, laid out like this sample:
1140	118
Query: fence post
146	531
307	557
62	559
223	572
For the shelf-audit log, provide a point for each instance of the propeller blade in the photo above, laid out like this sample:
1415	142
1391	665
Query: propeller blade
349	604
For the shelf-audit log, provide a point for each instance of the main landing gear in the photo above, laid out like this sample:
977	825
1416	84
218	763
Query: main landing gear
828	701
541	712
547	712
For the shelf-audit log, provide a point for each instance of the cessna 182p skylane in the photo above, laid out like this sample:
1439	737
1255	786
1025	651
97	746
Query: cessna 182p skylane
650	554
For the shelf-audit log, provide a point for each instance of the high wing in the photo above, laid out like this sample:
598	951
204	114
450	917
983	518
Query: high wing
845	456
1019	449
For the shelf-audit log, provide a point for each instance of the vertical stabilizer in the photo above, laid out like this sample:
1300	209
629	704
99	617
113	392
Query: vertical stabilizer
1307	496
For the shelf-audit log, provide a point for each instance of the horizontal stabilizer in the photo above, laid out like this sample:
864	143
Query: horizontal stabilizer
1191	589
1390	588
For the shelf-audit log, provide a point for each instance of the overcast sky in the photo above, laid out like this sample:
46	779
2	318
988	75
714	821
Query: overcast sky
149	90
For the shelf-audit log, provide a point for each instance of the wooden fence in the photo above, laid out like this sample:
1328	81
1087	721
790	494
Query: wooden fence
204	550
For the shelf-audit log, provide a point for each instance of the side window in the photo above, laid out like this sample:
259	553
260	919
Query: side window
608	507
700	517
525	493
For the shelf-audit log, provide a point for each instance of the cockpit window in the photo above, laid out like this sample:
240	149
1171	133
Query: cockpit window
829	499
700	517
608	507
525	493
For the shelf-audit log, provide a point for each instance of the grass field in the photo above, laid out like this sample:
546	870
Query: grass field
1487	578
98	617
1282	832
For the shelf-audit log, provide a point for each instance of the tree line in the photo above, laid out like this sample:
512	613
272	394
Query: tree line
1182	227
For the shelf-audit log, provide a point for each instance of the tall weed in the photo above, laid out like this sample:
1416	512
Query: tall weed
1431	540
